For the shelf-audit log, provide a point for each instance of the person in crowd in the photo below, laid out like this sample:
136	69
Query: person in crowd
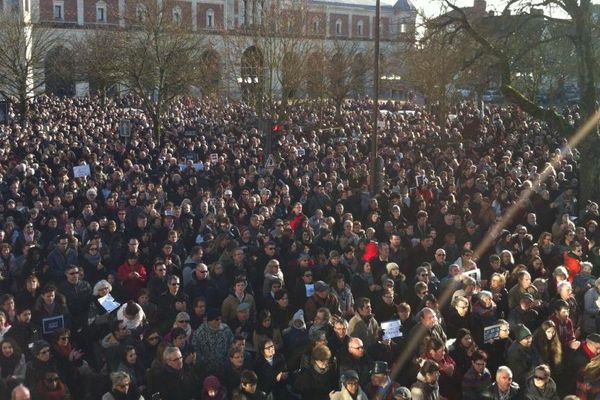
364	325
541	385
212	341
426	387
520	356
349	387
477	378
319	378
12	362
122	388
503	387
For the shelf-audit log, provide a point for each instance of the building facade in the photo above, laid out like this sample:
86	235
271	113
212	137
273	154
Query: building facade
326	20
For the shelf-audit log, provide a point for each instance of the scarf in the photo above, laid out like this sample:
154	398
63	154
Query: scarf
93	259
367	277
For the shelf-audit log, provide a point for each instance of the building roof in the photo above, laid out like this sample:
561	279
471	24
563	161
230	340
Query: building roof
400	5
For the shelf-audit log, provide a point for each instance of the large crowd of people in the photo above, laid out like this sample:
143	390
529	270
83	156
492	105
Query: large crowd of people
195	266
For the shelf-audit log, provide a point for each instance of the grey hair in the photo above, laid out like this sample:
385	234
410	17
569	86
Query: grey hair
503	369
170	350
101	284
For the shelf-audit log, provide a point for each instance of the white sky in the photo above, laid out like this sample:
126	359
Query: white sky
432	7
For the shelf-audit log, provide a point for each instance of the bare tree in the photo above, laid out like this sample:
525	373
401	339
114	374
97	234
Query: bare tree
160	58
24	50
347	69
578	31
98	56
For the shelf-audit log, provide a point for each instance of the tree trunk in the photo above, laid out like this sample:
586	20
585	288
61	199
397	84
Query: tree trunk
589	169
23	109
157	128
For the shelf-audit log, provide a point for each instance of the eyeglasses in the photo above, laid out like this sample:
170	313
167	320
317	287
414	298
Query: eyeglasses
176	359
269	347
541	378
52	380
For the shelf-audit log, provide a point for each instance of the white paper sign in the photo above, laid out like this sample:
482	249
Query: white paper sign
391	329
214	158
474	273
81	171
198	166
310	289
108	303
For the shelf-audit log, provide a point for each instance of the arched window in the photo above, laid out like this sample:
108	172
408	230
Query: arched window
210	18
338	27
360	28
177	15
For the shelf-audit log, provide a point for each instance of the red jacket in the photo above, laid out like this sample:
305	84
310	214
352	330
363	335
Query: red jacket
572	264
132	285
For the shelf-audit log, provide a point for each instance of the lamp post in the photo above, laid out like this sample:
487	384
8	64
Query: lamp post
375	100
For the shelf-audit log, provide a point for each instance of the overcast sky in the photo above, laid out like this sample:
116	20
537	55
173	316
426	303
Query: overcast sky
432	7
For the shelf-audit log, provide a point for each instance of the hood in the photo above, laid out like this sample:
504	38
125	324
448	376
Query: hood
131	324
109	341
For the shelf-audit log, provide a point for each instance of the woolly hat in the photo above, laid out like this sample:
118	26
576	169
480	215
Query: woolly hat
38	346
211	383
299	316
212	314
521	332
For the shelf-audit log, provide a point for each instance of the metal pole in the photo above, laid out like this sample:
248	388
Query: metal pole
375	99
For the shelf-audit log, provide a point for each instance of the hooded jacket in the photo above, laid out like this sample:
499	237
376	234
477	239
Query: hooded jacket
421	390
345	395
533	392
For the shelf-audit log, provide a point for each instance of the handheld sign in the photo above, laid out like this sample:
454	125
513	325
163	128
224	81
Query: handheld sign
391	329
81	171
491	333
108	303
310	289
125	128
52	324
214	158
270	162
